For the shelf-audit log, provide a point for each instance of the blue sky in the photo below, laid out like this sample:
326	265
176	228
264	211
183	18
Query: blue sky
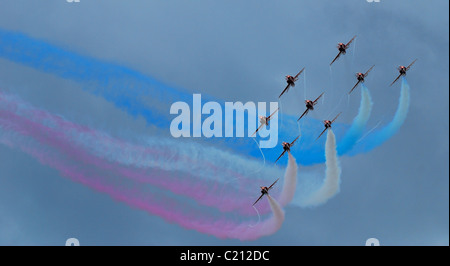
240	51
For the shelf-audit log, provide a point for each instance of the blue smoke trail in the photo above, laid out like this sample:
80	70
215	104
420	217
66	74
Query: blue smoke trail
138	94
376	138
359	123
127	89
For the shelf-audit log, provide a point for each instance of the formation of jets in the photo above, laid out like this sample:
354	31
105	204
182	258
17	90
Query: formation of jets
342	48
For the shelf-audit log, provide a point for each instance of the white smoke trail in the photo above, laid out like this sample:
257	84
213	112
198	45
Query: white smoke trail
274	223
264	228
332	180
290	182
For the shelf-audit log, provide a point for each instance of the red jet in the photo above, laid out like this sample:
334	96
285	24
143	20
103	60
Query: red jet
291	81
360	77
402	71
287	147
327	124
265	190
342	49
264	121
310	105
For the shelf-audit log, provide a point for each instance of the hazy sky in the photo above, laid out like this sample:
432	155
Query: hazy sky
240	51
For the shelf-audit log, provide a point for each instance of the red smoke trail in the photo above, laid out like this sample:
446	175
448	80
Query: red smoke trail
52	143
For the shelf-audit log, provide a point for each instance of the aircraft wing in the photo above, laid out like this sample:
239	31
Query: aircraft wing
350	41
354	87
315	101
337	56
396	79
365	74
336	117
292	143
268	118
273	183
304	113
280	156
260	126
298	74
321	133
407	68
258	199
287	87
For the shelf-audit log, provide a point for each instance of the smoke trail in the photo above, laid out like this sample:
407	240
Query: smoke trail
332	180
376	138
290	182
132	174
307	154
154	202
51	147
120	153
185	169
272	225
138	94
127	89
359	123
